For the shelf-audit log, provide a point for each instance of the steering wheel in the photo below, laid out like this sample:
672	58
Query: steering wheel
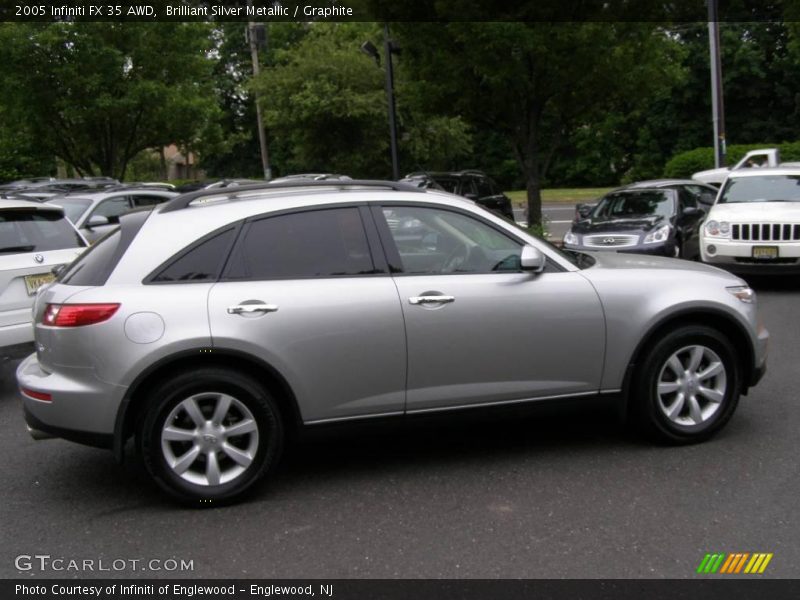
455	259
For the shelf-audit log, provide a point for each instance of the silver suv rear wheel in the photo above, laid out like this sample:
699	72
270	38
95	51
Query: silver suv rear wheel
208	436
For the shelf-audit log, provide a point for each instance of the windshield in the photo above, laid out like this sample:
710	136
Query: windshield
764	188
626	205
73	207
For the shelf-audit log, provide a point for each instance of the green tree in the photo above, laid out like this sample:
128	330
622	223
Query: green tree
96	94
537	84
325	105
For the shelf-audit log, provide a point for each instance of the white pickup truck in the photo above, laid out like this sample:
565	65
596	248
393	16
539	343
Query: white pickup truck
764	157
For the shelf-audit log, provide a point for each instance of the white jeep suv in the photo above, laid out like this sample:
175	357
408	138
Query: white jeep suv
754	226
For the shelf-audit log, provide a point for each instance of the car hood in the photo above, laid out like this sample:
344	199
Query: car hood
760	212
614	260
603	225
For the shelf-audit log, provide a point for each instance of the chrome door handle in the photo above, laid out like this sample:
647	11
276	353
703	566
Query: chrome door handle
416	300
241	309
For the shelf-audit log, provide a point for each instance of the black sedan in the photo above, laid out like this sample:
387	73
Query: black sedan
640	220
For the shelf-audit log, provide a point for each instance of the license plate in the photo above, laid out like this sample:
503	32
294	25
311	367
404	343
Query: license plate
34	282
765	252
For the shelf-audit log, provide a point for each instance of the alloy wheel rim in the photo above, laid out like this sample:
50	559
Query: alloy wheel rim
209	439
691	386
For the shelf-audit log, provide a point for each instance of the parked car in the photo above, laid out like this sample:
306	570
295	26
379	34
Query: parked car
662	221
34	238
755	225
211	327
473	185
95	214
694	192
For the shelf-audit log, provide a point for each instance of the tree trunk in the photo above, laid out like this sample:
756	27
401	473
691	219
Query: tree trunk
533	187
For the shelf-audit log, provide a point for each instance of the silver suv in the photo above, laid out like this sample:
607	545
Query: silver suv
211	327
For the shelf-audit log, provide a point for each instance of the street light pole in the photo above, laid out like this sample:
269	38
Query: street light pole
262	135
717	104
389	48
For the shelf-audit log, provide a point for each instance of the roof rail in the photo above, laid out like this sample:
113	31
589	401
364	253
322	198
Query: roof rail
185	200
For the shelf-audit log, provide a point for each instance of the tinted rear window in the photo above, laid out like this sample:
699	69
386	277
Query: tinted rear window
26	230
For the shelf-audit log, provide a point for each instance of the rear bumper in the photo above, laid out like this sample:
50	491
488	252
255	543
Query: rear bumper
37	427
81	407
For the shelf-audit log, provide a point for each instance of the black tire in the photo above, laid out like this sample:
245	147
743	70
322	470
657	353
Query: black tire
208	389
651	400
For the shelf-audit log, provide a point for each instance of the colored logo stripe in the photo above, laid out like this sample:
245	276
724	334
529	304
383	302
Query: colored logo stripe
734	563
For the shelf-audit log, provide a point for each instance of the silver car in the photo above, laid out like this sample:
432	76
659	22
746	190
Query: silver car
95	213
34	238
211	327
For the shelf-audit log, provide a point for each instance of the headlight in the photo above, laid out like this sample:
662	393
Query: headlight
658	235
743	293
570	238
718	229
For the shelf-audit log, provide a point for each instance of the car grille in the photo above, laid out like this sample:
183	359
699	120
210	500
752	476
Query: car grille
766	232
610	241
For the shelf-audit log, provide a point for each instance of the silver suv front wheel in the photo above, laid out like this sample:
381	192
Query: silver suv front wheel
687	385
209	435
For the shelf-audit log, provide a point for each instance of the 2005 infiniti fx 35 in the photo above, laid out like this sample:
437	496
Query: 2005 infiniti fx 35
210	327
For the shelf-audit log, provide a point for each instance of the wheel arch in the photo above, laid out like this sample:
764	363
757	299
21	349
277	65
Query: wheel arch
708	317
136	398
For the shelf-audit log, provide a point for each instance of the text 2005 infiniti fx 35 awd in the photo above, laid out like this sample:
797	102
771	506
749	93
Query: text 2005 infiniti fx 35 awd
211	326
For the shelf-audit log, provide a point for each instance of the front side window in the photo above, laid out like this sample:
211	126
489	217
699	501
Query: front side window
316	243
434	241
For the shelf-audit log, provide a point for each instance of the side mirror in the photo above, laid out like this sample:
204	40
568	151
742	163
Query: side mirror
692	211
97	221
532	259
582	210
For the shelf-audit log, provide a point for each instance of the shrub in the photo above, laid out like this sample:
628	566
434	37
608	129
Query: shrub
684	164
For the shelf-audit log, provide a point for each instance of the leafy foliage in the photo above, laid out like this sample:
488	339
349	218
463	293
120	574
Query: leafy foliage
536	84
96	94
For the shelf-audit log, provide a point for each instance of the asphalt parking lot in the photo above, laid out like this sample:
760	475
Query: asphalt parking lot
528	498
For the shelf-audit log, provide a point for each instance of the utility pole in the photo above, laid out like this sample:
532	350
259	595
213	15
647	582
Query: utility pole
252	39
717	104
390	48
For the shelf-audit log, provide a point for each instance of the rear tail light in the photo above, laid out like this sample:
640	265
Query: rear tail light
44	397
77	315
